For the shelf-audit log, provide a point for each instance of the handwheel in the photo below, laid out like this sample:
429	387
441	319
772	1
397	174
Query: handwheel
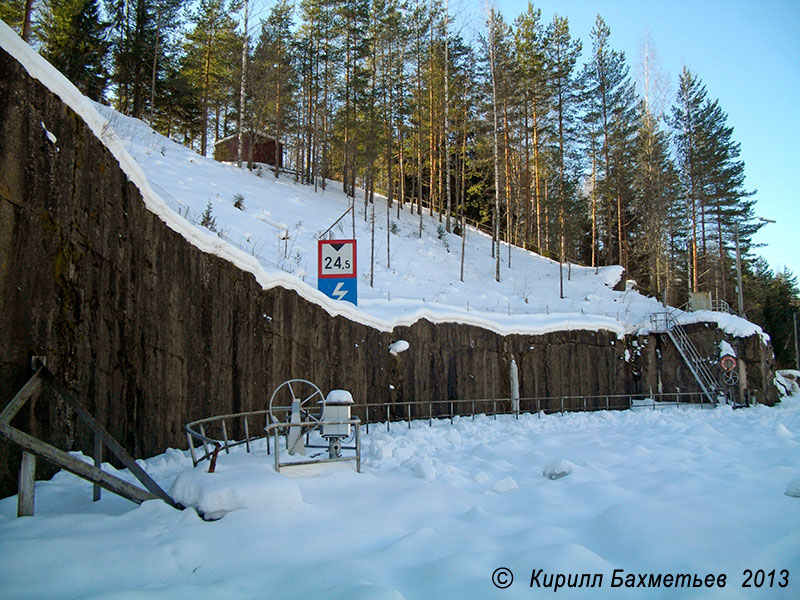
295	390
730	377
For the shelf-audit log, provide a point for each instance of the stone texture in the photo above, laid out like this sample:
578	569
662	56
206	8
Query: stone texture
151	333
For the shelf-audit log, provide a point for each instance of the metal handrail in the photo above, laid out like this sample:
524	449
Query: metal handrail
227	444
384	412
721	306
212	446
380	412
665	322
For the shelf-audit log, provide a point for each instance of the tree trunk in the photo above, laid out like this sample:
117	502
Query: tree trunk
496	149
447	115
239	125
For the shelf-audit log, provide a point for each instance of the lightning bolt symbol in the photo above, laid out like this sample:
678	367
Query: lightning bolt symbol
338	292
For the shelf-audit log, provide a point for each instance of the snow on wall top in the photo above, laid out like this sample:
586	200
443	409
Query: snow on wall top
273	234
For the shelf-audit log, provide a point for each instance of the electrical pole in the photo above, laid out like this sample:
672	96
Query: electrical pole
796	345
739	264
738	271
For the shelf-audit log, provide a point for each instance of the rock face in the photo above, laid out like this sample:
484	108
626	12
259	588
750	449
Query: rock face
151	333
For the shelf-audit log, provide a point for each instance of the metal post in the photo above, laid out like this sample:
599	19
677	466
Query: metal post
358	447
191	449
225	437
246	435
387	416
277	452
205	445
738	271
796	345
366	406
430	414
408	410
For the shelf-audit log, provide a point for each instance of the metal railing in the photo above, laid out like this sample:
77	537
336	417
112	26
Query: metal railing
665	322
721	306
427	410
717	305
406	411
211	446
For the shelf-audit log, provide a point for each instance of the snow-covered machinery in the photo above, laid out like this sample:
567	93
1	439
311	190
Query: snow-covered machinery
296	409
335	409
302	405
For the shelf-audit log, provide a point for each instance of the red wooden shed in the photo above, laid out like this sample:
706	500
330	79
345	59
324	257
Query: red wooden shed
264	149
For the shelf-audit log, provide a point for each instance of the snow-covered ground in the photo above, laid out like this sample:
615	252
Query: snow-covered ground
436	510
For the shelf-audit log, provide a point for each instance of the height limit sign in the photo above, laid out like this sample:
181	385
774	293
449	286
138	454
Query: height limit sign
336	273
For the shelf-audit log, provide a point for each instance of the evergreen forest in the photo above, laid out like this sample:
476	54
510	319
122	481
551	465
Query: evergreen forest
563	146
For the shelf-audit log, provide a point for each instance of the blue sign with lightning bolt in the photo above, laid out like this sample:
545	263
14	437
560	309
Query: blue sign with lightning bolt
336	275
340	289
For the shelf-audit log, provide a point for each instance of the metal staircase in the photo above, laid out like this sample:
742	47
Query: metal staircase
665	322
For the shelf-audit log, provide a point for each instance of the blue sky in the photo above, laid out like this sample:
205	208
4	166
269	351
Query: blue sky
748	56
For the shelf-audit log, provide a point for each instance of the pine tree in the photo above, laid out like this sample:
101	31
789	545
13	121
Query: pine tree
772	300
563	52
530	46
144	44
18	15
686	120
727	200
654	208
355	20
73	41
609	98
211	61
491	45
712	180
273	78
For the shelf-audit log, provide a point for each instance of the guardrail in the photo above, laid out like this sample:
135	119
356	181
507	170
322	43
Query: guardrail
415	410
411	410
211	446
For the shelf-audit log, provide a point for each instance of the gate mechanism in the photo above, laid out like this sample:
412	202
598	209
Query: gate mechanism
308	410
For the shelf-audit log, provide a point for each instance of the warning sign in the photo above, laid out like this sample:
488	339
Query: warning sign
336	273
337	258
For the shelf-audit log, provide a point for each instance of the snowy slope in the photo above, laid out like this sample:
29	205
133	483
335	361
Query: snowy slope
280	223
275	238
436	510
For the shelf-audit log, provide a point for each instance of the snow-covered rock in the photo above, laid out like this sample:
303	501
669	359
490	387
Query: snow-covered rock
557	468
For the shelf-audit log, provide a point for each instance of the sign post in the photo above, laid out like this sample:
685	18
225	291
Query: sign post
336	269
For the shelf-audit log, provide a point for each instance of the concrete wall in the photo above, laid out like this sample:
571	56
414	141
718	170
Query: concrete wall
151	333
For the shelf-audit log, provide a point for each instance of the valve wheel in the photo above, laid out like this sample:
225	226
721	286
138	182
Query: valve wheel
291	391
730	377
